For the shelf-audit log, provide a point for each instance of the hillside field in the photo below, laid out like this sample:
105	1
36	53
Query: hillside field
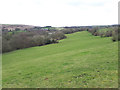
105	30
79	61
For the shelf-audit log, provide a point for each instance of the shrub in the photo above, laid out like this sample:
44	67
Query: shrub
71	30
108	34
57	35
114	38
17	29
5	45
115	35
22	40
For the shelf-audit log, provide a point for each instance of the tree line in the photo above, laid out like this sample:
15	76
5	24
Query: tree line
14	40
114	32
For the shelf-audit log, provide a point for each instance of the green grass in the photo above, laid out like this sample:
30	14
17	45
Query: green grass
105	30
80	60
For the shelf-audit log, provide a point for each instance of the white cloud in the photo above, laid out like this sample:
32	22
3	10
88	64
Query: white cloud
59	12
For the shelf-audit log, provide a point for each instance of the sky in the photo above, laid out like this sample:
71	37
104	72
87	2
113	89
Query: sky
59	12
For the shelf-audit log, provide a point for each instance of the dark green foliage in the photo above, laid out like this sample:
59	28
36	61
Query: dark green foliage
17	29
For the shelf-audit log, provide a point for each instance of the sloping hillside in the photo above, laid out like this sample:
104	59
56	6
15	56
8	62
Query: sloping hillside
81	60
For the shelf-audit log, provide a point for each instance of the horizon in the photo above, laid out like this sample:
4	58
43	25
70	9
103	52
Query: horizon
61	26
59	13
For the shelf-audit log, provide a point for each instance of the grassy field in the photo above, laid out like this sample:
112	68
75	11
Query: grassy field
79	61
105	30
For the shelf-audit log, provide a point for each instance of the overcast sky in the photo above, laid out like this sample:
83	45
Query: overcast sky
59	12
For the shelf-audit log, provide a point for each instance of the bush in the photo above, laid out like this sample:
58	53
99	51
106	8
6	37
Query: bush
71	30
108	34
115	35
20	41
5	45
29	39
57	35
115	38
17	29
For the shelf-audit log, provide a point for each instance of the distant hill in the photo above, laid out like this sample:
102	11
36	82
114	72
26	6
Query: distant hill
11	27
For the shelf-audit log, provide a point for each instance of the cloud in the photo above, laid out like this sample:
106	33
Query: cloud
59	12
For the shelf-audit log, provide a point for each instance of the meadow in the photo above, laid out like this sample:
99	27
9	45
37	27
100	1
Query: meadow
79	61
105	29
